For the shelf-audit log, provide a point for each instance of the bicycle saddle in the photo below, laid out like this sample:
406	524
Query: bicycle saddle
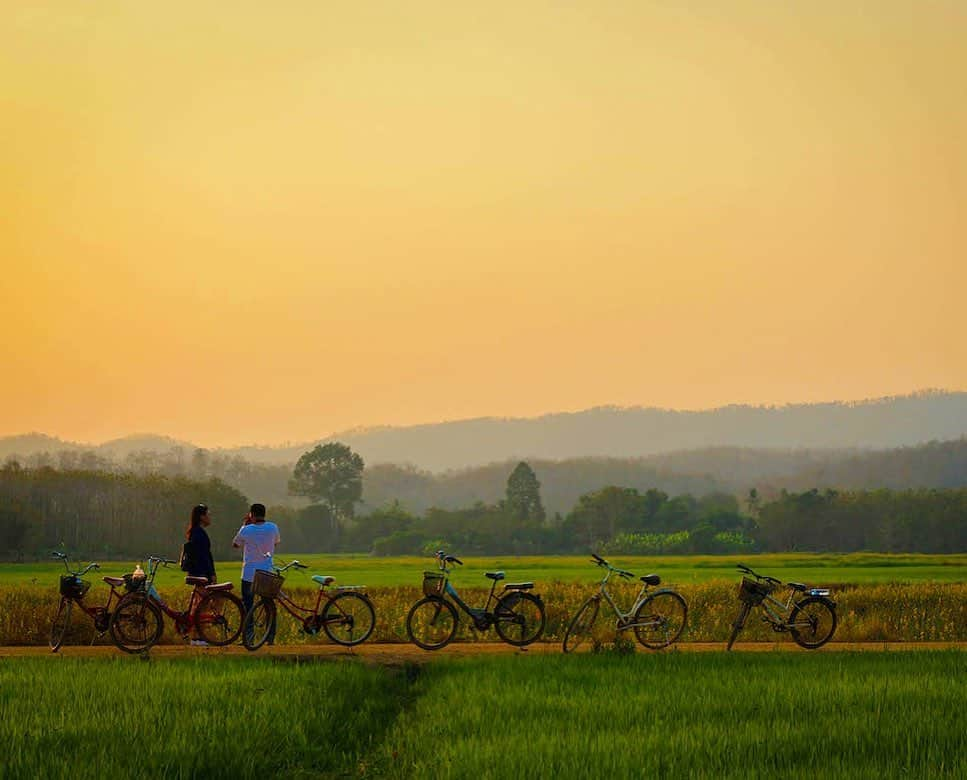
495	575
114	582
797	586
322	579
650	579
220	586
189	580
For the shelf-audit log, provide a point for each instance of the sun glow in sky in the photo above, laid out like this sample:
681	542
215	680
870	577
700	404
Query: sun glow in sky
258	222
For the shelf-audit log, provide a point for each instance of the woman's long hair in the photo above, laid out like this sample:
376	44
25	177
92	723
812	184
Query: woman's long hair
197	513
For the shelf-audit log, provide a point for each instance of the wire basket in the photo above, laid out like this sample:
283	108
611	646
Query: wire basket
432	583
753	592
267	584
73	587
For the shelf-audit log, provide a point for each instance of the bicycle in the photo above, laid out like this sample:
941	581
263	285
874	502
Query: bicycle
658	619
811	621
213	611
73	590
348	617
432	622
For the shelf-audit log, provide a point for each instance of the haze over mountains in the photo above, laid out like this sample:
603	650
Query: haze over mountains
601	432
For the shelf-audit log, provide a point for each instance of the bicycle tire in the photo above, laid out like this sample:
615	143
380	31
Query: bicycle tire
825	608
60	624
670	608
219	617
420	616
355	612
136	625
739	624
257	624
509	614
582	625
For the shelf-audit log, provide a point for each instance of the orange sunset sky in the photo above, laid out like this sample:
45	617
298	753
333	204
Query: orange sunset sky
256	222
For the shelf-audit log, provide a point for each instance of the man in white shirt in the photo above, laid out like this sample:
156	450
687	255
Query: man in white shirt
257	538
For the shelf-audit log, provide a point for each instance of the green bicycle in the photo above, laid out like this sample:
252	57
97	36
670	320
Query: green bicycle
657	619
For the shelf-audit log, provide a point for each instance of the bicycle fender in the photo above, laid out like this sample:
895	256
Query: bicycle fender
824	599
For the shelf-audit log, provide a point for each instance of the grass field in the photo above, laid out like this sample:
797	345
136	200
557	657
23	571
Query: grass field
820	569
674	715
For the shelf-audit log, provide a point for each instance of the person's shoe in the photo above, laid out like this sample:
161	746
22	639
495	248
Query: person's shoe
199	643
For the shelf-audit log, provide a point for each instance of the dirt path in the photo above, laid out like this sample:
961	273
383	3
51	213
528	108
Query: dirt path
394	654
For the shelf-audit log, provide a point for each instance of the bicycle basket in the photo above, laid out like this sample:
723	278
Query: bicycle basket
73	587
134	584
267	584
432	583
753	592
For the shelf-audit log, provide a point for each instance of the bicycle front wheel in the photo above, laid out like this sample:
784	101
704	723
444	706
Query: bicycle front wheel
62	620
432	623
257	624
581	626
660	619
739	624
812	622
136	624
520	618
349	619
218	618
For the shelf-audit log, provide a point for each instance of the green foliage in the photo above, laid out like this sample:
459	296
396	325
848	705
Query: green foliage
107	514
523	494
331	475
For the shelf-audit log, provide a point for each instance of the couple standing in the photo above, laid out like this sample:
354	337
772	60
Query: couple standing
257	539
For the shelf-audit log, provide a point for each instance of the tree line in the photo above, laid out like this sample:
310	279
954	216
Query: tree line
125	514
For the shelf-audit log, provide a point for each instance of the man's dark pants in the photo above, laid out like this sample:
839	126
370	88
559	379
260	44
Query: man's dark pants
248	599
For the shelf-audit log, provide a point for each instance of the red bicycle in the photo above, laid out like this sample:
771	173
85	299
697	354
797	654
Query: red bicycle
347	615
213	612
73	589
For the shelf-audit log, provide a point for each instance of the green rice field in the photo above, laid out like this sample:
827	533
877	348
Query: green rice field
829	715
820	569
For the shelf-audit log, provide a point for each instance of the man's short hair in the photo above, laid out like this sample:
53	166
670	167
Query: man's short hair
257	510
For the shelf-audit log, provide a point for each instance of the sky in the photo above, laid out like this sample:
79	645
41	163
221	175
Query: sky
251	222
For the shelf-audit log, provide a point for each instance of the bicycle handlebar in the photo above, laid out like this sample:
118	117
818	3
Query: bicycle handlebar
444	559
743	568
290	565
598	560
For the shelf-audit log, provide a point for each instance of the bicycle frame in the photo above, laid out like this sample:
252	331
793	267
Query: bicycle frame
101	612
184	621
624	618
323	598
483	617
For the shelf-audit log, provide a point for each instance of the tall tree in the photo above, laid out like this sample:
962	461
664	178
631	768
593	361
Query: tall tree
332	475
524	494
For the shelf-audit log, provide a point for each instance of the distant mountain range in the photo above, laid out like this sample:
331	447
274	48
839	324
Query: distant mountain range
609	432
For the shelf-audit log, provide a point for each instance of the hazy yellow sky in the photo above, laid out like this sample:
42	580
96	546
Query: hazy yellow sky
253	222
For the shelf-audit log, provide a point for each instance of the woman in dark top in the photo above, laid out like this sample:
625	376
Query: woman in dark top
200	562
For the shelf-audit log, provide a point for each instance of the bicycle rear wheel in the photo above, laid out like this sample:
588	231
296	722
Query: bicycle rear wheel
812	622
520	618
218	618
257	624
739	624
62	621
136	624
661	618
581	625
432	623
348	619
